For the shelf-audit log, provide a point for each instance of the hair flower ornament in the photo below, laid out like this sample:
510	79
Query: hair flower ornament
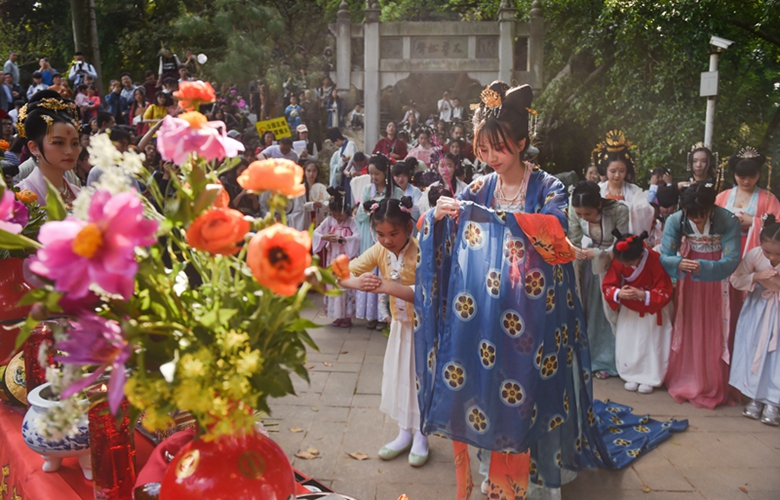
748	153
373	208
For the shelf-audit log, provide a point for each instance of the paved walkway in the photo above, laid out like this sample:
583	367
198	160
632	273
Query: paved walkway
723	455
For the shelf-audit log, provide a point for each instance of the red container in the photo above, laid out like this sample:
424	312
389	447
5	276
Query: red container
12	289
34	373
113	450
245	467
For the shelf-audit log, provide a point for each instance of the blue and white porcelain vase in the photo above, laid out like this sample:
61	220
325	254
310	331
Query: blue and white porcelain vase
41	400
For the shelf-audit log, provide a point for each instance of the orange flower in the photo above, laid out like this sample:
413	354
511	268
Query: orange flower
223	198
192	94
26	196
194	118
280	175
4	145
278	257
218	231
341	267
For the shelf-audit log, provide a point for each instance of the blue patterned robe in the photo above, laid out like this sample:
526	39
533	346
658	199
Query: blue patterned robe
501	350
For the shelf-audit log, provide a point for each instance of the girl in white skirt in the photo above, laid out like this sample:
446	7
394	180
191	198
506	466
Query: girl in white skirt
755	364
638	286
395	254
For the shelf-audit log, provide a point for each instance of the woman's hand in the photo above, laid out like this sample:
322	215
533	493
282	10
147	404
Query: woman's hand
367	282
446	206
689	266
317	205
583	253
745	220
764	275
631	293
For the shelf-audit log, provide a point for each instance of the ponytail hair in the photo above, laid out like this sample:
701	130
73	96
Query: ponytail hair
396	212
770	229
629	247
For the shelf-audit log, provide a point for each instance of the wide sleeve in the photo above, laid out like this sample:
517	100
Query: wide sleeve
670	245
367	261
742	279
361	215
352	243
317	243
726	224
556	199
661	291
575	230
612	283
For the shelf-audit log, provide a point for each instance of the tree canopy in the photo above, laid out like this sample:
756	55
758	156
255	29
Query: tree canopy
628	64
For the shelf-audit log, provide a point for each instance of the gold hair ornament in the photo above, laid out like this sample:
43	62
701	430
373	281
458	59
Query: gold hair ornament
491	102
748	153
49	122
20	122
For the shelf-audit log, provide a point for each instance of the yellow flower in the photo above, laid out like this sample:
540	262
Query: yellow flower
248	362
192	367
234	340
156	420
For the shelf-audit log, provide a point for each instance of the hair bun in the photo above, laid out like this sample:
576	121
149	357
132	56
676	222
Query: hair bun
769	219
643	236
333	191
519	98
406	201
617	234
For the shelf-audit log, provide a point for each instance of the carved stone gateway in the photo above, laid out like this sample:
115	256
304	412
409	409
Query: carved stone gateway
392	51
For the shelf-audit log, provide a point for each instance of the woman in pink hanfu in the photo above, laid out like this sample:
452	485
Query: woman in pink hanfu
749	203
701	249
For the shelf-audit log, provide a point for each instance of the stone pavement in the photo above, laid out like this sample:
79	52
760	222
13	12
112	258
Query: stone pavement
722	455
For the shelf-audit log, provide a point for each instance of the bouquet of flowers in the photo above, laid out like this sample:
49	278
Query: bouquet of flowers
194	307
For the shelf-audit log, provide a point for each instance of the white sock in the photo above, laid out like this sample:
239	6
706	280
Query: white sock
420	444
402	441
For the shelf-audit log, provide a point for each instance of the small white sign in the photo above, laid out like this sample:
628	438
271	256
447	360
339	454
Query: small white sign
709	84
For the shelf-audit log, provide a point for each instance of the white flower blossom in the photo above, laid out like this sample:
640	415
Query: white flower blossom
102	153
134	162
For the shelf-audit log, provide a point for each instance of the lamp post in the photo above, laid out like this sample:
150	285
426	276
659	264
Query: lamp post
709	85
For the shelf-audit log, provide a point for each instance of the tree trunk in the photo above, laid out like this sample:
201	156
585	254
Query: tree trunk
85	37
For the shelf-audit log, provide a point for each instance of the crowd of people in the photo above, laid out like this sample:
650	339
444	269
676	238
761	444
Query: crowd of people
676	284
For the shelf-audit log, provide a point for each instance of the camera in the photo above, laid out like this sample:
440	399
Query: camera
9	169
720	43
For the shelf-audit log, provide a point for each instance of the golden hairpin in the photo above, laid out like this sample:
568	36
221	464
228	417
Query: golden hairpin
748	153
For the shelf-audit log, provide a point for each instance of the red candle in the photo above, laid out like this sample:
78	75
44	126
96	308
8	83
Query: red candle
113	451
34	373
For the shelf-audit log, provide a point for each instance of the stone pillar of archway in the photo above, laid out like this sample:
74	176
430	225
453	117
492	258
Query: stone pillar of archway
343	48
371	74
506	40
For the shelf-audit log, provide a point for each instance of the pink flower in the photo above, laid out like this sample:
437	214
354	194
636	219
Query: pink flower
9	220
96	341
101	250
192	133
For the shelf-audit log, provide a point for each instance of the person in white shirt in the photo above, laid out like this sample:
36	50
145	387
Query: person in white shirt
445	107
457	110
80	70
281	150
37	85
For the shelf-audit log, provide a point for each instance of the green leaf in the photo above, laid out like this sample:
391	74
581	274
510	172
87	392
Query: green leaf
54	205
11	241
25	330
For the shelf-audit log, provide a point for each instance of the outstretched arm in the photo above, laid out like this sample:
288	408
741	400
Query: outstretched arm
397	290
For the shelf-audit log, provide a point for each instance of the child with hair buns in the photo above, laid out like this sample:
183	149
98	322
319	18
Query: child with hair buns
395	254
338	233
755	363
637	286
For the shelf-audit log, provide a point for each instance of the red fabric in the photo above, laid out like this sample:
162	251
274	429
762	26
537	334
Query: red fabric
386	147
652	279
547	236
21	467
154	470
